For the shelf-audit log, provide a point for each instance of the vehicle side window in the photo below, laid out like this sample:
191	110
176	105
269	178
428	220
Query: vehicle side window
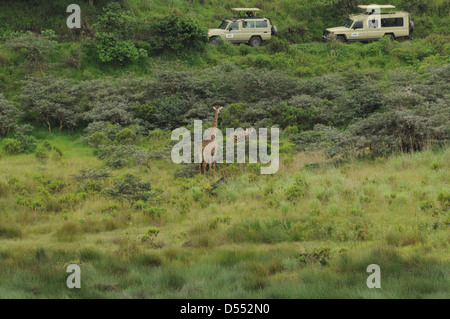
249	24
224	25
261	24
392	22
234	26
358	25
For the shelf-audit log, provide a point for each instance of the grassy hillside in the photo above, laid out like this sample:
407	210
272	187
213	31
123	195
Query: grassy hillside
306	19
245	240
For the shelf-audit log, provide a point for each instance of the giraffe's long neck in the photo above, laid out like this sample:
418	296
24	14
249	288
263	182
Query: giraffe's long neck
216	118
214	125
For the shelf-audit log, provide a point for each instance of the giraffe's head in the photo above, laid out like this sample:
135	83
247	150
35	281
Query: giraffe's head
217	108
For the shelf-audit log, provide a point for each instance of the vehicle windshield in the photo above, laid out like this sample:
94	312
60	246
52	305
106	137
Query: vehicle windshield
348	23
224	25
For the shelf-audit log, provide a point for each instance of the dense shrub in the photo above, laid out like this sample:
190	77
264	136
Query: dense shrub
172	34
131	189
117	156
110	49
286	115
92	180
394	130
277	45
116	20
9	114
20	144
126	136
37	46
113	42
169	113
12	146
53	102
114	109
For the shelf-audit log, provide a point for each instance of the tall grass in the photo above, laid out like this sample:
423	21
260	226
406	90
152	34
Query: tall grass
246	241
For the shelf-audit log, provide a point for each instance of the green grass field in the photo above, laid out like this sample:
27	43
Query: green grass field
242	242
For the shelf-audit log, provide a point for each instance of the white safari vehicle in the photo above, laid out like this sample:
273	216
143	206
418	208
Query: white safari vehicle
372	25
244	28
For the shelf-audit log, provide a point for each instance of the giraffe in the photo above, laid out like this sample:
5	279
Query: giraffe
210	153
210	144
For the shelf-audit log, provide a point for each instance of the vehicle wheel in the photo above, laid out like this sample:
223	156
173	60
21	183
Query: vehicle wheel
255	42
214	41
391	37
340	39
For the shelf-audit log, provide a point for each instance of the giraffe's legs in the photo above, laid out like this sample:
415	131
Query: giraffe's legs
200	162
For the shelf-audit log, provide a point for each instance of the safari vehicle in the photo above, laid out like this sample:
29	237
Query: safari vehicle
373	25
245	28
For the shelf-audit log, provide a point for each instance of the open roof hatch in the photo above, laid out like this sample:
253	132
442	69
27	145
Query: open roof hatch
246	9
381	6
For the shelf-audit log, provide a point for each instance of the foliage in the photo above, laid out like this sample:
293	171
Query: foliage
126	136
116	20
9	114
12	146
20	144
91	179
112	42
131	189
53	102
110	49
172	34
37	46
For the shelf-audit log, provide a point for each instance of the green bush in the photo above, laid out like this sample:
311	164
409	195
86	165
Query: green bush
277	45
12	146
42	153
130	188
113	42
294	192
9	114
109	49
126	136
20	144
172	34
116	20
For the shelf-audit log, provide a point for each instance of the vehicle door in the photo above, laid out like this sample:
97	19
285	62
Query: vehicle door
374	30
234	32
248	29
358	31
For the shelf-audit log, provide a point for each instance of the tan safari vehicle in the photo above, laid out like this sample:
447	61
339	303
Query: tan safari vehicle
373	25
245	28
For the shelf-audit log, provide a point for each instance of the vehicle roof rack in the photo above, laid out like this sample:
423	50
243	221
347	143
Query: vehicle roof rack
245	9
245	18
381	6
